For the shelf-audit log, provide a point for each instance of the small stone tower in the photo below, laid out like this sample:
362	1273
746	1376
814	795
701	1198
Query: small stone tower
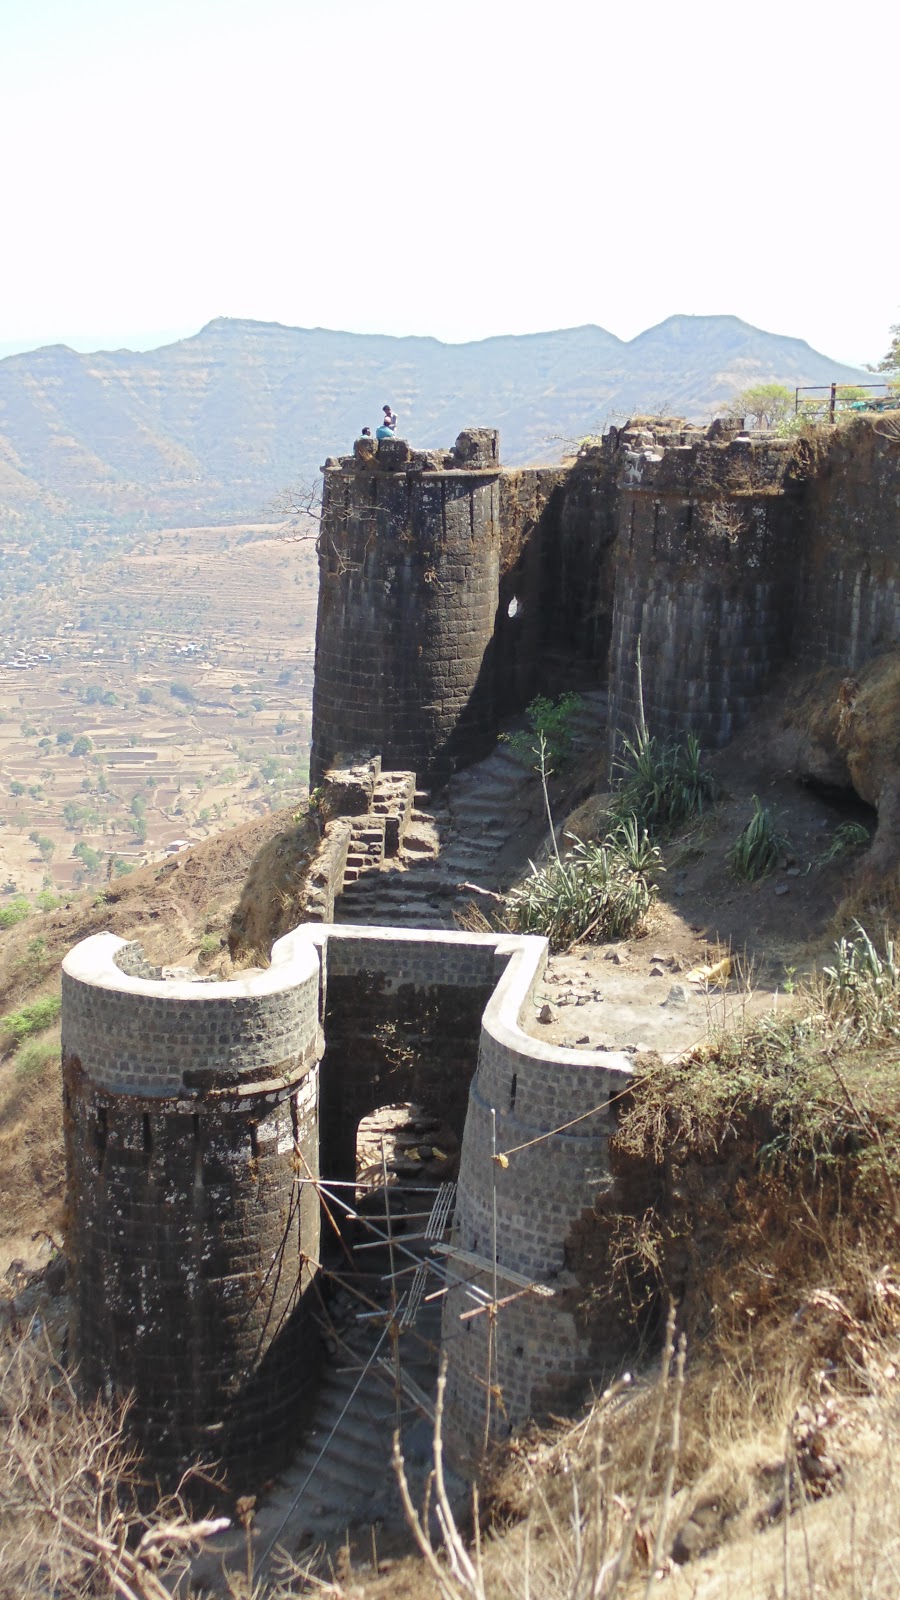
191	1108
409	574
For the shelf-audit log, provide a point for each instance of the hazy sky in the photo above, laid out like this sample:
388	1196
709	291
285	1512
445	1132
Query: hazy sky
458	169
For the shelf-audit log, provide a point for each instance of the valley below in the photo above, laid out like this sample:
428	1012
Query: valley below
152	694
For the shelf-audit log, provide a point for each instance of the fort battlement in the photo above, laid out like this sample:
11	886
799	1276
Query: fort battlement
451	591
450	594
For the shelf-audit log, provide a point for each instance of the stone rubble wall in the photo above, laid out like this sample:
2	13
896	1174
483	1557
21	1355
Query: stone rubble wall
327	870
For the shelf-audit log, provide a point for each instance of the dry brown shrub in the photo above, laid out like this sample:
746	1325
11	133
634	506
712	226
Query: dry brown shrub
71	1488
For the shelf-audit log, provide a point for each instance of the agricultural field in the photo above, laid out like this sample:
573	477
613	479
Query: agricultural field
153	689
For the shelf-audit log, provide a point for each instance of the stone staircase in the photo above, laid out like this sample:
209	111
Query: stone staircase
342	1479
410	856
462	835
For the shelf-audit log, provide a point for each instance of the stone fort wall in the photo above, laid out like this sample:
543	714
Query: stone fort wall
848	592
402	668
728	554
192	1245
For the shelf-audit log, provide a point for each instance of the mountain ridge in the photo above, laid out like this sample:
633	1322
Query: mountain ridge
211	426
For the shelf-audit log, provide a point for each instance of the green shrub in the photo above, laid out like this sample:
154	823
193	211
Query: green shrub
663	784
849	836
758	846
549	721
33	1018
17	910
600	891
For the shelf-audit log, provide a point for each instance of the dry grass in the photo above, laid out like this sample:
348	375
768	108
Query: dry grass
31	1146
71	1490
272	900
738	1462
704	1468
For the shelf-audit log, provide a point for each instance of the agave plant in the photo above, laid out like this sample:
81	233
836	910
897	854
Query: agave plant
663	784
758	846
599	891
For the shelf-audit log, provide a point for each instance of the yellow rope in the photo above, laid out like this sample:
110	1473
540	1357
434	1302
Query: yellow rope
502	1157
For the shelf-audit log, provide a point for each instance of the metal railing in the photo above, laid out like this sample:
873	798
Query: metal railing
887	400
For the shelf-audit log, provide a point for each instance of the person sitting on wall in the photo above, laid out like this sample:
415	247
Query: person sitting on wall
365	449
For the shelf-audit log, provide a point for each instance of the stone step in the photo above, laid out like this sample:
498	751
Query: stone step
480	813
503	759
476	843
332	1479
357	1430
397	888
499	770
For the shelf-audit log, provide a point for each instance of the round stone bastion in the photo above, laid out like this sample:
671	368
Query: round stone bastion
190	1107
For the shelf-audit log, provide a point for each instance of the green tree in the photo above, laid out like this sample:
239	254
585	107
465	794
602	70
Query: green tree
82	746
763	404
88	855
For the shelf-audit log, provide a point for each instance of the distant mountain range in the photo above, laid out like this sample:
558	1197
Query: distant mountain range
213	426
